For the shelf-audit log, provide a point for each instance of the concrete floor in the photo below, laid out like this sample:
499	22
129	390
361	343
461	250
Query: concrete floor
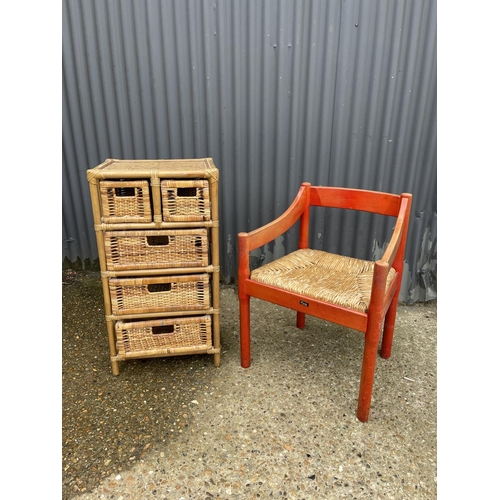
179	428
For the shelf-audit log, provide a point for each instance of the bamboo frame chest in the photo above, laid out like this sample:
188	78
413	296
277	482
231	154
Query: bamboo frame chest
157	232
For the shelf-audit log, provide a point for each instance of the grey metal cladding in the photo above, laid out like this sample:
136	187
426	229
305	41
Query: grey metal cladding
277	93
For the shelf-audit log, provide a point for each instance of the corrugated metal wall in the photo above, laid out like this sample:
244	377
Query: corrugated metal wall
339	92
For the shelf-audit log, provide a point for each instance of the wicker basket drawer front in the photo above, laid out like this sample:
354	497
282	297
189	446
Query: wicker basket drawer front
185	200
163	249
160	294
164	336
125	201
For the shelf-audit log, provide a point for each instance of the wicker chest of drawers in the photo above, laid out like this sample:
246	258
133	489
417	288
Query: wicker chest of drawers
157	232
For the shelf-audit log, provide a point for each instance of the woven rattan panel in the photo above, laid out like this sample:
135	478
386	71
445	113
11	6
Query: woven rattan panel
156	249
337	279
162	293
167	335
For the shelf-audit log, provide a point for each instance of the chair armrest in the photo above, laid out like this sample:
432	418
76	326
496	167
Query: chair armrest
399	233
392	257
277	227
259	237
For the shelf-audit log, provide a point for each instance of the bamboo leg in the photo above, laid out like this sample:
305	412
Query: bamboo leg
110	324
245	331
216	325
214	197
112	346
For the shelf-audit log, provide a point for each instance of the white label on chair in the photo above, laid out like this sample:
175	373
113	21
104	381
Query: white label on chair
302	303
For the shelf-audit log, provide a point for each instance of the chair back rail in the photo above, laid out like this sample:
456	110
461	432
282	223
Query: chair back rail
356	199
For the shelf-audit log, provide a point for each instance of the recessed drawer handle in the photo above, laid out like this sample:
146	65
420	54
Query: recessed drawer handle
187	191
159	287
160	330
158	241
124	191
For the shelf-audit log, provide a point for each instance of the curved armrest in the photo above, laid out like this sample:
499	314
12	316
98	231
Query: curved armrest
259	237
277	227
393	255
399	233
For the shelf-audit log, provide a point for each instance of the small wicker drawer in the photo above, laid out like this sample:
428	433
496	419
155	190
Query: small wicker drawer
125	201
164	336
185	200
162	249
160	294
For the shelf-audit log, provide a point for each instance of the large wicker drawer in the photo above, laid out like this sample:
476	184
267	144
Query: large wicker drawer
164	336
160	294
162	249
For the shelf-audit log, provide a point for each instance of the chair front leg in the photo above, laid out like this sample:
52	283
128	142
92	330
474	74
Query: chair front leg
372	337
244	330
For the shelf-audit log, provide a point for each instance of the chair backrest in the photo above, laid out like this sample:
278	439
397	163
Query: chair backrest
362	200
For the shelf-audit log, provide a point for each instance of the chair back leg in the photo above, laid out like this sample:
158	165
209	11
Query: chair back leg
245	330
301	320
390	321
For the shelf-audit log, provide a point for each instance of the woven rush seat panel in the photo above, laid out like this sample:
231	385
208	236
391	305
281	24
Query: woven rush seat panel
337	279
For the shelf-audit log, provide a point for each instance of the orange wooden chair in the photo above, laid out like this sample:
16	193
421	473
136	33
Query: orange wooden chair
358	294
